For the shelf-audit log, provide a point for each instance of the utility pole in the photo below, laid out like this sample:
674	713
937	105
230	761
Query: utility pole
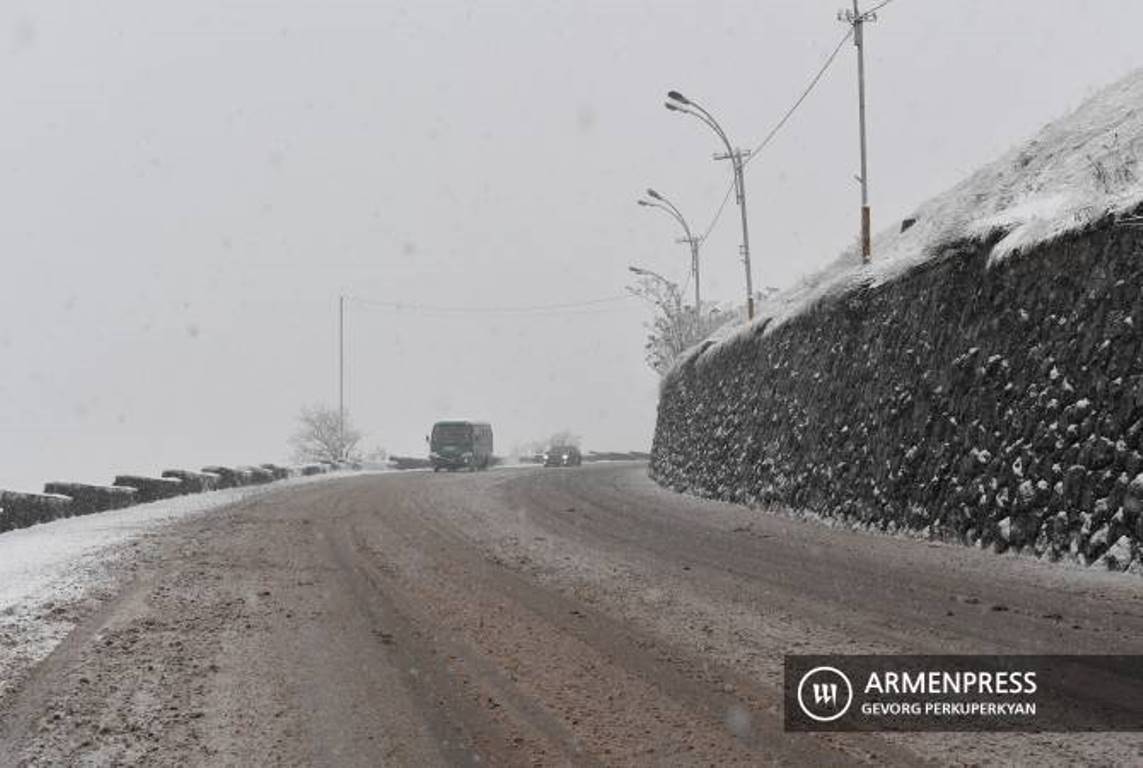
694	244
676	102
737	157
857	20
341	372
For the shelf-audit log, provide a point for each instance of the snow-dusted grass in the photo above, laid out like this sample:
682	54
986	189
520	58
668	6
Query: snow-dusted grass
1075	171
47	570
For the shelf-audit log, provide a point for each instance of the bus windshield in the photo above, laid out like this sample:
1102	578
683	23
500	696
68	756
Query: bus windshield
451	434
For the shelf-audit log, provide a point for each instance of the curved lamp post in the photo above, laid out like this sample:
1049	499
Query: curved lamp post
663	204
651	274
676	102
670	286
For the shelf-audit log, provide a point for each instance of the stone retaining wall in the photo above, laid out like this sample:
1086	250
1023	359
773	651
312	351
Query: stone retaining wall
996	405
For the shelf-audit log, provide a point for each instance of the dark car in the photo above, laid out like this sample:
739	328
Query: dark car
563	456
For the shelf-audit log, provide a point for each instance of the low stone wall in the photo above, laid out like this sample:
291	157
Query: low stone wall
228	477
256	475
19	510
277	472
194	482
995	405
87	499
151	488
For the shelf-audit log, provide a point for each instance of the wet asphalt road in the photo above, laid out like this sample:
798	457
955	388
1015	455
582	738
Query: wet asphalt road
531	617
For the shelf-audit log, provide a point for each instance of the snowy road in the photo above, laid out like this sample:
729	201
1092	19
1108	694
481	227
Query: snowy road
523	617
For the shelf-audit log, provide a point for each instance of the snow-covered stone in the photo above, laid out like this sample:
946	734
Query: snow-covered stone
1118	556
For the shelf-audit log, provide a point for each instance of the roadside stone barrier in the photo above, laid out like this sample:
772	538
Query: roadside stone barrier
87	499
228	477
151	488
999	405
60	499
19	510
194	482
277	472
257	475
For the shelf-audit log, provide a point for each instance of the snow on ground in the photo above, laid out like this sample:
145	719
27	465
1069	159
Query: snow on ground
50	572
1074	171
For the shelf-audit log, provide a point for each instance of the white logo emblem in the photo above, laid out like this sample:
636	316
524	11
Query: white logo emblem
825	684
825	693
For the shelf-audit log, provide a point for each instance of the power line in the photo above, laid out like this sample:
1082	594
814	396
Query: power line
785	118
813	83
570	307
877	7
721	207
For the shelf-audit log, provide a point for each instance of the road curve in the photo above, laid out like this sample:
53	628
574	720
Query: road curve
532	617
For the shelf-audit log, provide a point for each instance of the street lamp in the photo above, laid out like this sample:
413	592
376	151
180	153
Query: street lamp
663	204
676	102
651	274
672	304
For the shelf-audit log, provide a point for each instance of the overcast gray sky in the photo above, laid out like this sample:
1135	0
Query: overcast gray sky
187	190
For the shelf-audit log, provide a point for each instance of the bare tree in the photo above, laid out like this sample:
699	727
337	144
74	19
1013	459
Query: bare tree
322	437
675	326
